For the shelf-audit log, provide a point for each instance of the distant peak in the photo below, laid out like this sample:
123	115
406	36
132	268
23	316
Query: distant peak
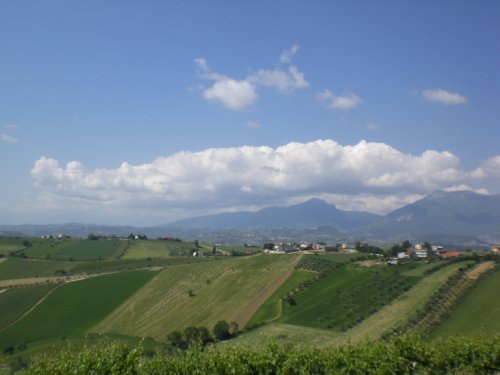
316	202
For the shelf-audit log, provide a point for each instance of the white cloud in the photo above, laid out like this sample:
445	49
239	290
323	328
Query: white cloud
279	79
8	138
239	95
371	176
287	55
234	95
330	100
372	126
253	124
443	97
11	126
465	187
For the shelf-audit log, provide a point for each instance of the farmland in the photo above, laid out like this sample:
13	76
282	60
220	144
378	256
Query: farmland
8	244
73	308
150	288
14	303
220	290
479	311
16	268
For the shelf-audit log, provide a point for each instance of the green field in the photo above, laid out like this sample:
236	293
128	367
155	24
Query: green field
87	249
479	311
158	249
271	309
46	248
221	290
73	308
16	302
18	268
345	297
133	264
9	244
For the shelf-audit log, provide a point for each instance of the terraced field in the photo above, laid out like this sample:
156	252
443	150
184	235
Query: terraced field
73	308
198	294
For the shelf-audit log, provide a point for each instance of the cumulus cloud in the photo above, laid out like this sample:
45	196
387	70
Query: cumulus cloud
443	97
369	176
330	100
236	95
240	94
8	138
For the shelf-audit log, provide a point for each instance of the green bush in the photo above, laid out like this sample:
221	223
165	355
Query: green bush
398	355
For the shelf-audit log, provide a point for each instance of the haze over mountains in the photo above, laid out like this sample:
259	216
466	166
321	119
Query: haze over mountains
461	217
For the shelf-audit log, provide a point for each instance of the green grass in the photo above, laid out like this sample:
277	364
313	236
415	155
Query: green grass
87	249
17	268
479	311
75	307
16	302
44	248
271	309
9	244
157	249
133	264
223	290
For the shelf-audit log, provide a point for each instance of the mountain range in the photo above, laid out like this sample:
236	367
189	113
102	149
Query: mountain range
461	217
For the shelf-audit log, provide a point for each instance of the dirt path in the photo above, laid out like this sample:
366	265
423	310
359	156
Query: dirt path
478	270
31	309
266	293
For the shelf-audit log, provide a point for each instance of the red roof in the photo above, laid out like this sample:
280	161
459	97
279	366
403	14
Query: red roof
452	254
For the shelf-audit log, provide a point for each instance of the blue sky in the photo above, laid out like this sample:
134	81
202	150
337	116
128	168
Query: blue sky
142	112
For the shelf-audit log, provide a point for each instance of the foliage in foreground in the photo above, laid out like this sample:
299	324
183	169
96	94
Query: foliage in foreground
401	355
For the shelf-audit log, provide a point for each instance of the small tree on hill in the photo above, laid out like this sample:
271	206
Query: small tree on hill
221	330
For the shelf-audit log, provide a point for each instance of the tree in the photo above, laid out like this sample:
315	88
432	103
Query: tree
214	250
221	330
92	237
26	243
175	338
406	244
196	244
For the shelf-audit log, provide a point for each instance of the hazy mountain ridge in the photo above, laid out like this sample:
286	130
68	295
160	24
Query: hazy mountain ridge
310	214
463	218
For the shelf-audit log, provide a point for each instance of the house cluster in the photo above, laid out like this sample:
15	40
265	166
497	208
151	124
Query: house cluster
423	251
287	248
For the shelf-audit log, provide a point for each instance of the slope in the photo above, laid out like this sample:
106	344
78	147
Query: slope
196	295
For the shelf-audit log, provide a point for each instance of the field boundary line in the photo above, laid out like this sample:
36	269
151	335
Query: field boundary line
266	293
31	308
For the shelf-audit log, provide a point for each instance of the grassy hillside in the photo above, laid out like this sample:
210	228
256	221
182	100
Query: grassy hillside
388	317
272	308
220	290
75	307
8	244
479	311
157	249
18	268
87	249
14	303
